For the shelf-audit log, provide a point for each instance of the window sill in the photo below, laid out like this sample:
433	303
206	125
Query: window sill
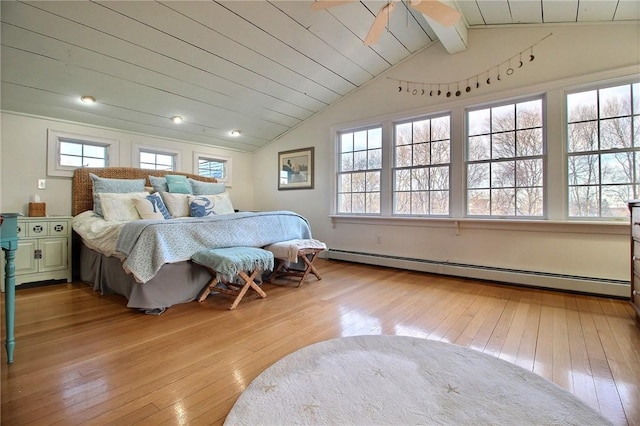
617	227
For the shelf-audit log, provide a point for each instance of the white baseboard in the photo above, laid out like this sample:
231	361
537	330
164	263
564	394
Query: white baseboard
598	286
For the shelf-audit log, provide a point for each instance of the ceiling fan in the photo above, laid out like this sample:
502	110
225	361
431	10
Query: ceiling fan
434	9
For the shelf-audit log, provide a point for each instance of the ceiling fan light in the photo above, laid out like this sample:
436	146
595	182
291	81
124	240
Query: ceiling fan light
88	99
235	133
177	119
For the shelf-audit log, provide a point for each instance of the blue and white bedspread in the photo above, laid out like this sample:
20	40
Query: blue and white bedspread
149	244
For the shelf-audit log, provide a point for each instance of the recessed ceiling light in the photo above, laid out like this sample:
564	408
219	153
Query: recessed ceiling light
177	119
235	133
88	99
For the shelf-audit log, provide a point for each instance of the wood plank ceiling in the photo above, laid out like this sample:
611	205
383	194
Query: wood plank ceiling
262	67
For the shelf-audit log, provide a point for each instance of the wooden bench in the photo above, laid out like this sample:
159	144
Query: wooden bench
289	252
226	264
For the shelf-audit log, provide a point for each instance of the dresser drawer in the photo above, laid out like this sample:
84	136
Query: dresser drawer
37	229
635	222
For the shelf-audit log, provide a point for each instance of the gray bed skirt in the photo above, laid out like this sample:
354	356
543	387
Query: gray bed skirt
175	283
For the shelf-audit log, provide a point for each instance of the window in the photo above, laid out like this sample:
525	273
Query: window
422	158
157	160
214	166
603	137
505	160
359	169
68	151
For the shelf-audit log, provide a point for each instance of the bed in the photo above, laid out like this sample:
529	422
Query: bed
147	260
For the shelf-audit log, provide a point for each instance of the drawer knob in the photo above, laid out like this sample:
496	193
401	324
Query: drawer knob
38	228
634	258
58	228
635	292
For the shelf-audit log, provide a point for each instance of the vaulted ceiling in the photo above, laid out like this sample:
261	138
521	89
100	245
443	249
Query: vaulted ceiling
261	67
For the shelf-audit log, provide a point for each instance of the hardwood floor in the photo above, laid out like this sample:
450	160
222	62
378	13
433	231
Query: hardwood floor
82	358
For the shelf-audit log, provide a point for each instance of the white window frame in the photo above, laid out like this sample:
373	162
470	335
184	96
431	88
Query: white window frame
492	161
428	166
138	149
55	137
595	85
228	169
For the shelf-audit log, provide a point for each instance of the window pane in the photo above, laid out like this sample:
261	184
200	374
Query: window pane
95	151
504	145
95	162
617	168
478	175
479	122
147	157
583	136
421	154
402	203
479	148
503	118
529	202
615	101
360	140
419	179
67	148
529	142
582	106
529	173
584	170
375	138
67	160
358	204
373	202
358	182
346	163
344	183
440	152
503	174
360	160
421	131
529	114
478	202
375	159
584	201
616	133
404	156
164	160
403	180
346	142
439	202
373	182
344	203
614	200
439	178
420	202
503	202
440	128
403	134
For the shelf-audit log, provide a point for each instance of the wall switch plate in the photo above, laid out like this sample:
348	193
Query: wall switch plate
42	184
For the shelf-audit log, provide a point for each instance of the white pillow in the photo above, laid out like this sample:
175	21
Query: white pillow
221	202
176	203
118	207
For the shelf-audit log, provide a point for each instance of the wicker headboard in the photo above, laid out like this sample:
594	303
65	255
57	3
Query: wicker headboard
82	185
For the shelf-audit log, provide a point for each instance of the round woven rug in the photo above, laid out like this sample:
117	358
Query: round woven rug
396	380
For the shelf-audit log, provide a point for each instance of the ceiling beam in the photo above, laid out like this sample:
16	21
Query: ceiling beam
454	38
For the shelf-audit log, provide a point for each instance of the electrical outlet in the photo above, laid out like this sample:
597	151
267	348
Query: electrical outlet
42	184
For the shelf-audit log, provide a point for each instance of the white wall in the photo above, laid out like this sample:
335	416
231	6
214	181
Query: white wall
572	55
23	161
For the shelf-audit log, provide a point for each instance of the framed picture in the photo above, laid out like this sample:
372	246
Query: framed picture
295	169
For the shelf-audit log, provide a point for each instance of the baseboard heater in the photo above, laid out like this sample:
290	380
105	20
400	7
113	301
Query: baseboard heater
590	285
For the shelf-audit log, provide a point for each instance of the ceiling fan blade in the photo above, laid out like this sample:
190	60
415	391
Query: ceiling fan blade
379	23
326	4
437	11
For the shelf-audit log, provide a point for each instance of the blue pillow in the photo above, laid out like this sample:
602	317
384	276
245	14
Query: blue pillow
116	186
178	184
206	188
200	207
159	183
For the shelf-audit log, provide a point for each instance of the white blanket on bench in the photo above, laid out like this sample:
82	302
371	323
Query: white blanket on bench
289	249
